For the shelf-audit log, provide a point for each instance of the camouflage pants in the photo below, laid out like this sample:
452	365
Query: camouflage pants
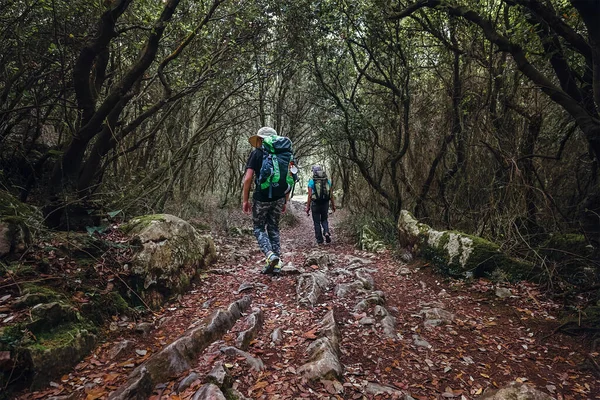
266	214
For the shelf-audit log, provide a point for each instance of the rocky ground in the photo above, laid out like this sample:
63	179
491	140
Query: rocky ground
340	323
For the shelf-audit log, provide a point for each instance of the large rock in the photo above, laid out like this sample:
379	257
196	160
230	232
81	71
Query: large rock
180	355
515	391
170	255
324	362
456	253
18	223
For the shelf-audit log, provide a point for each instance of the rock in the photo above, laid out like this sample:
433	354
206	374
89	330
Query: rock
178	356
515	391
209	392
47	316
366	279
219	376
456	253
356	262
380	312
388	324
31	299
436	316
254	323
123	347
344	289
290	269
403	271
236	395
503	293
366	321
417	340
144	328
254	362
324	352
245	286
63	349
322	259
376	389
309	288
375	298
187	382
276	336
18	223
171	253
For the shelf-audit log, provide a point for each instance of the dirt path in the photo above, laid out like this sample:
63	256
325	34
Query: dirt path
450	338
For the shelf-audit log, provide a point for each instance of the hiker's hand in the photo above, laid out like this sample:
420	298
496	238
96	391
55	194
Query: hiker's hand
284	208
333	207
246	207
307	211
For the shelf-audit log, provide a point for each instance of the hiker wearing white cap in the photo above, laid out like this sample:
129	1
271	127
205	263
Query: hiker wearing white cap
268	167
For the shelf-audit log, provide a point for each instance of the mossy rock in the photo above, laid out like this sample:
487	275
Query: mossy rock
458	254
170	253
34	294
137	224
38	359
18	224
57	351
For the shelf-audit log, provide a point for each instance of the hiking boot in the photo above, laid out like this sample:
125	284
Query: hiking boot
271	261
327	237
277	268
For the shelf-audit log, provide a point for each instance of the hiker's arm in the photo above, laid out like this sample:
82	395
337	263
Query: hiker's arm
308	200
287	198
246	207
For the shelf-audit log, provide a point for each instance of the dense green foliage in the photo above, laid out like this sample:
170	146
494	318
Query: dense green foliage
476	115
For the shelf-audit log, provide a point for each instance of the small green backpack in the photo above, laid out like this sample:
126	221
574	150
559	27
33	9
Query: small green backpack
322	191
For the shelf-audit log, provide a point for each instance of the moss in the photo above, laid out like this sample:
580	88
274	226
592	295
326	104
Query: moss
140	222
11	336
458	254
562	247
62	335
45	291
102	306
18	269
11	209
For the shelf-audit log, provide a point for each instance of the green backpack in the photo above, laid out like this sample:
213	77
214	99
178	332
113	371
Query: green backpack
322	191
275	179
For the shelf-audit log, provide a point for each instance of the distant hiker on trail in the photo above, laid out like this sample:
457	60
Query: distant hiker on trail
268	165
319	196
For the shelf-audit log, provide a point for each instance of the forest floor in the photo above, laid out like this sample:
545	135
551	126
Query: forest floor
487	343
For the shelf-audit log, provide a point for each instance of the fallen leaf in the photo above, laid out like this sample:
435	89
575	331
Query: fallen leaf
260	385
94	394
310	334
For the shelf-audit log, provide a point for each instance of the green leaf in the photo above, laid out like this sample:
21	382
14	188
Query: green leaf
112	214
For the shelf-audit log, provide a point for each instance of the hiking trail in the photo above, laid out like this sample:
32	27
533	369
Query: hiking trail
363	325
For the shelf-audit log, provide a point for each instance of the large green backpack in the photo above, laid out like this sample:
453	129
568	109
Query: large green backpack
274	178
